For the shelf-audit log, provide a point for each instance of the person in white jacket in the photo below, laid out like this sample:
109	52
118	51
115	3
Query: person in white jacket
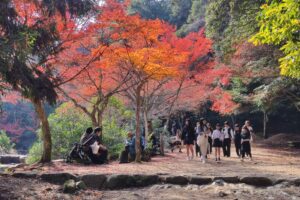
217	137
202	141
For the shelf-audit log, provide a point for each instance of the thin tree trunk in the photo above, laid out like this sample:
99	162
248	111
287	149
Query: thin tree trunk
94	120
138	157
46	135
161	138
265	124
146	126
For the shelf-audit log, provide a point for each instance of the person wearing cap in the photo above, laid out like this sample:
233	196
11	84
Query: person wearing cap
237	139
228	136
217	137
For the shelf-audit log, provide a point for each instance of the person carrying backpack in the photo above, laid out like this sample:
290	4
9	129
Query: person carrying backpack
245	142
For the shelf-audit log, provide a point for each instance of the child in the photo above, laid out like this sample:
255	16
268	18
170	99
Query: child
217	137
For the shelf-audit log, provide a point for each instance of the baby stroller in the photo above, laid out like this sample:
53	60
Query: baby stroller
79	154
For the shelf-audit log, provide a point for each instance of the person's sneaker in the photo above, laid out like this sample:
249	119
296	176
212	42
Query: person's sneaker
216	159
203	161
219	159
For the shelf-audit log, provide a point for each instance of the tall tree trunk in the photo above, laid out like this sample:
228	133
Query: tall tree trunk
265	124
138	157
46	135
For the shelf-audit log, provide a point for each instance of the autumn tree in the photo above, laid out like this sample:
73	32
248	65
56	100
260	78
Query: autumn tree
30	36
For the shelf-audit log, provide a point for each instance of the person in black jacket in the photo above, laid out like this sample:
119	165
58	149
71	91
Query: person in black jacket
189	138
97	151
237	139
245	141
86	135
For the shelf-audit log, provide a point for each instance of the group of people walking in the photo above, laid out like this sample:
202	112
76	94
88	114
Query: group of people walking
203	138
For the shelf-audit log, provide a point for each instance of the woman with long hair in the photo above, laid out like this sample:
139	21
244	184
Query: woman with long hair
188	137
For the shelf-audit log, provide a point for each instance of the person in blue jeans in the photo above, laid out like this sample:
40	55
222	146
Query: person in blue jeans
130	144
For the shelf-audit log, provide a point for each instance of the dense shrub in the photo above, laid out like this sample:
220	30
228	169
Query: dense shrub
67	125
5	145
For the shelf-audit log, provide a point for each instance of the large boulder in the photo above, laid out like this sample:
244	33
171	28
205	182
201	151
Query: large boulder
69	186
120	181
177	180
80	185
57	178
96	181
200	180
145	180
257	181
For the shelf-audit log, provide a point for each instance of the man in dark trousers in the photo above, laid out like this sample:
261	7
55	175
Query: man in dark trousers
228	135
237	139
97	151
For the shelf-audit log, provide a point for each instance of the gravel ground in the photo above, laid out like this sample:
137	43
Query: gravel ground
23	189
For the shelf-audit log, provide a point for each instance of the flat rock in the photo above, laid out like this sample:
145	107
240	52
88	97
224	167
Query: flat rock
228	179
177	180
9	159
24	175
200	180
219	182
96	181
257	181
296	182
57	178
120	181
145	180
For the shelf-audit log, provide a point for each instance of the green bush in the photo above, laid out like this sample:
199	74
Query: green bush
5	145
67	125
35	153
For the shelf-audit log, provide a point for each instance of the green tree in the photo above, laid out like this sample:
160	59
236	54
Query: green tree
279	23
229	22
5	145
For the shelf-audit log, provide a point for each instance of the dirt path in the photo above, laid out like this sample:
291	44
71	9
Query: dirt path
268	162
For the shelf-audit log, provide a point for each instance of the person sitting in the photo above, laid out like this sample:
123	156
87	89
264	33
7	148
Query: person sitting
124	156
130	144
154	143
86	135
97	151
